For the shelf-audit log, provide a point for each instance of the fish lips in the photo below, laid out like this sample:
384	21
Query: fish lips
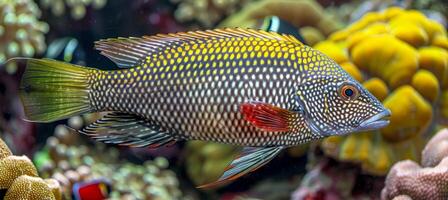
377	121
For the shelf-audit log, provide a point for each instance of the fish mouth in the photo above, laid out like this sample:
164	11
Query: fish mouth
377	121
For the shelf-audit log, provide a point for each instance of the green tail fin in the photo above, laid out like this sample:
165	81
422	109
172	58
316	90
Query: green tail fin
51	90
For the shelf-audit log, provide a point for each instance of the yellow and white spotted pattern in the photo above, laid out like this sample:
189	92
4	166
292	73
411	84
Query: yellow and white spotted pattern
192	84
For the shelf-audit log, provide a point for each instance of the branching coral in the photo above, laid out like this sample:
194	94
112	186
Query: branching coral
409	76
19	177
409	180
21	32
77	7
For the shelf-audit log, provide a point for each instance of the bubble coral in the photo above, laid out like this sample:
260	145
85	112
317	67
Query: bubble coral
426	84
401	57
428	181
434	59
398	62
404	125
375	85
19	177
77	7
21	32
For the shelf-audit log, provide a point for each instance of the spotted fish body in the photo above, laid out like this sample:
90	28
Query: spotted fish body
237	86
195	91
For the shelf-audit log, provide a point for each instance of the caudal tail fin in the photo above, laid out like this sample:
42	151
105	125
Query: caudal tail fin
51	90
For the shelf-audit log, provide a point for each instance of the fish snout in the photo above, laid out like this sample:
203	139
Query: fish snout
377	121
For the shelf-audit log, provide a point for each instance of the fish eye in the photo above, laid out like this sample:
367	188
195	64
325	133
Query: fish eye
348	92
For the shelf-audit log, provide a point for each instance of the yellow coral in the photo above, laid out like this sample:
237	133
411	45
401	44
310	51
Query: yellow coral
411	114
395	64
350	150
440	41
334	51
434	30
405	56
4	150
207	161
434	59
18	176
31	188
352	70
311	35
426	84
377	87
392	12
55	188
380	158
15	166
373	29
410	33
444	105
300	13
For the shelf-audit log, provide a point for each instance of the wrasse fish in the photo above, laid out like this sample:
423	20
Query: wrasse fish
262	90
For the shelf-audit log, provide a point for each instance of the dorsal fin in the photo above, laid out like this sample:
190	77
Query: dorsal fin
129	52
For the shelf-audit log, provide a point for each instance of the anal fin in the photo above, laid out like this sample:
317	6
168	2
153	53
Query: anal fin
129	130
250	159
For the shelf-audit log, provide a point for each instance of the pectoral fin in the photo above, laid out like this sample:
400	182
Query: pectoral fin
267	116
250	159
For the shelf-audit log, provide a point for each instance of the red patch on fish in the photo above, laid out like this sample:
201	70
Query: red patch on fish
266	116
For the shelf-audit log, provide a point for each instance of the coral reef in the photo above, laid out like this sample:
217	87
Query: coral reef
206	161
28	187
307	15
21	32
78	8
407	179
17	133
69	160
206	12
19	177
321	183
329	179
409	76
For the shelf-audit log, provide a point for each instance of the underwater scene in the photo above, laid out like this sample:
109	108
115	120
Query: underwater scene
223	99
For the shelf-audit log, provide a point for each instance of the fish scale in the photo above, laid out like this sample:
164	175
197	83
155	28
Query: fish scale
209	82
261	90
